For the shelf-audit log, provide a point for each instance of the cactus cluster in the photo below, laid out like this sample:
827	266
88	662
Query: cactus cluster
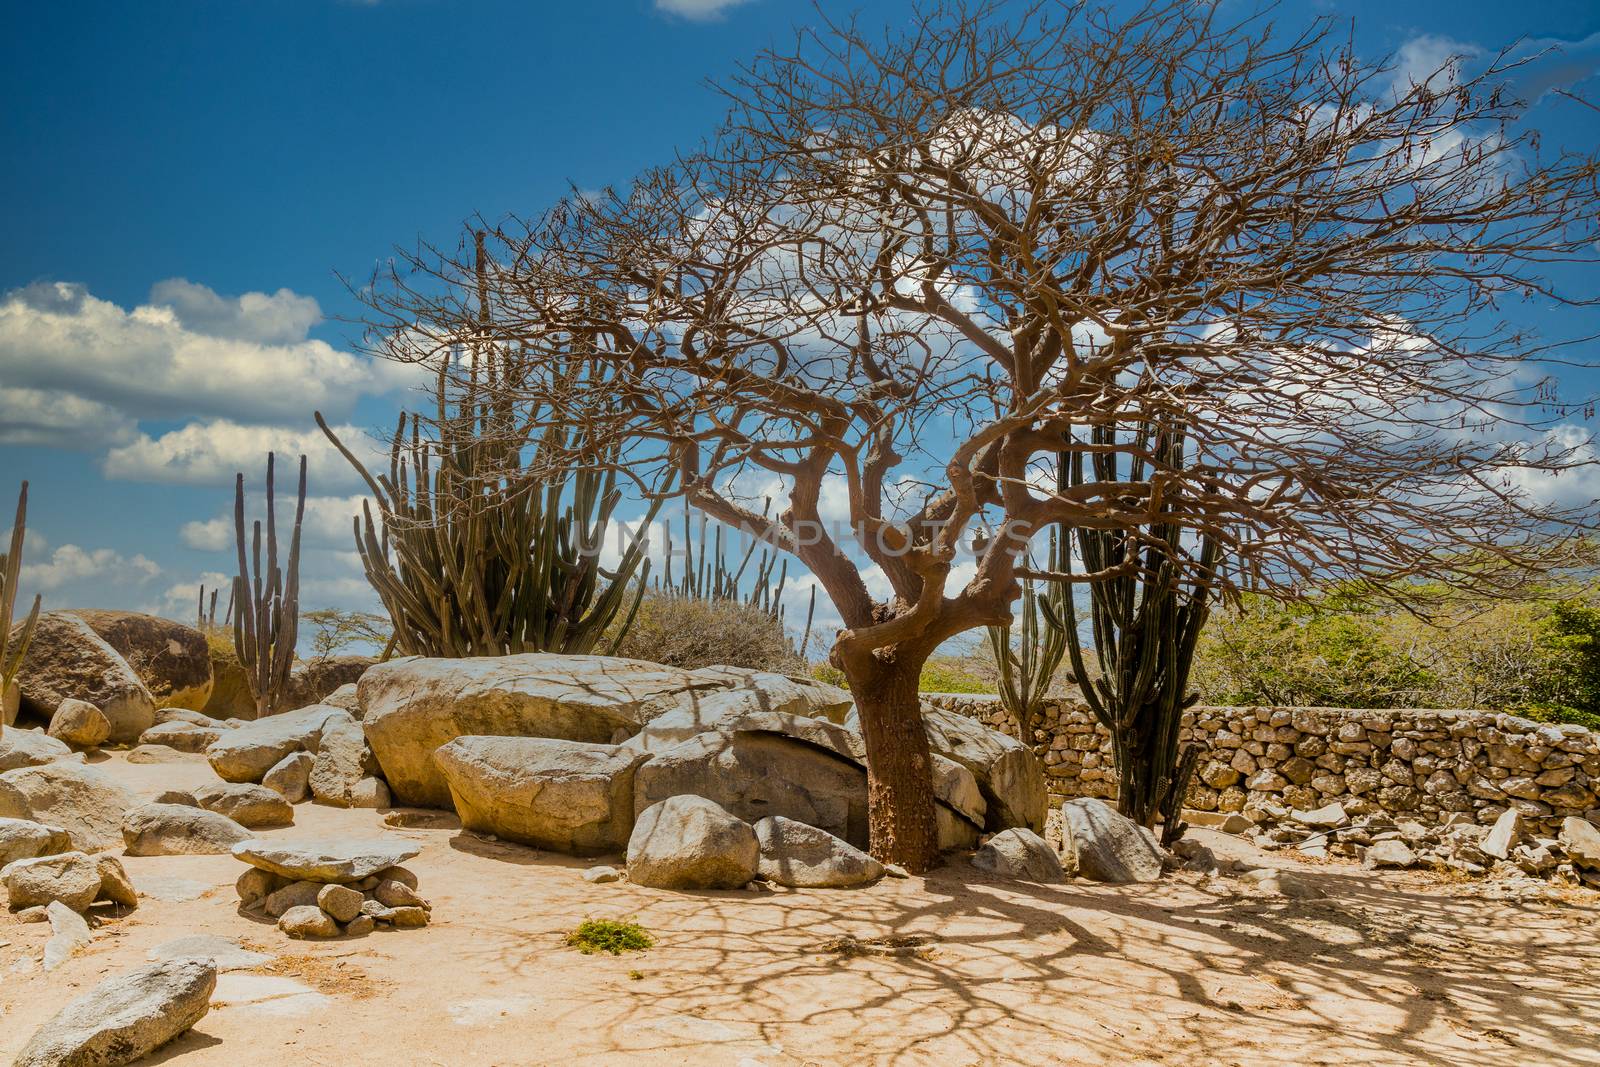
266	620
1028	666
14	644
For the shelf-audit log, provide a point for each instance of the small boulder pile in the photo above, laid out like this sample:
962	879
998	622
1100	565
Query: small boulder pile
321	889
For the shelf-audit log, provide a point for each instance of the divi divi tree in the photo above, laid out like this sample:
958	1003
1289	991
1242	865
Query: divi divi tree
909	270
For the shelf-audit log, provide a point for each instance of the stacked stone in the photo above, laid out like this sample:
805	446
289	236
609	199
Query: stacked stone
328	889
1422	765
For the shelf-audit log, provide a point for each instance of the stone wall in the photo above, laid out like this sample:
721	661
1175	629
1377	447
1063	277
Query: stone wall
1420	763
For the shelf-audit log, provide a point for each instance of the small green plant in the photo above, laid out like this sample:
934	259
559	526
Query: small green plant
609	935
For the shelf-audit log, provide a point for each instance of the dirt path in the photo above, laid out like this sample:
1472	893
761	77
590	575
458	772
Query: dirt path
1390	969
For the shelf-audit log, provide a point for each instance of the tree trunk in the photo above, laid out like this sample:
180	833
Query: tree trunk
903	826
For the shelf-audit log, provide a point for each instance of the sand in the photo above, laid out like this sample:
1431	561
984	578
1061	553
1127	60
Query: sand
955	968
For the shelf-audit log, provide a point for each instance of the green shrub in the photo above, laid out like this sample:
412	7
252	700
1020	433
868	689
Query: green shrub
609	935
942	674
690	632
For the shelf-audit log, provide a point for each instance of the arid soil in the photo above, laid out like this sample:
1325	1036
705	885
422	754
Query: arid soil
952	969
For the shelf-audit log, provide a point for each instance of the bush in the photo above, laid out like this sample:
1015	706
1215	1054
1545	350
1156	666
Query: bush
609	935
942	674
689	632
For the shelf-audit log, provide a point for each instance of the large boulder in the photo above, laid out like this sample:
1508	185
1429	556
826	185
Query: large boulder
1105	845
794	854
290	777
343	759
79	724
1008	773
1019	853
311	681
22	839
247	752
689	842
124	1019
1581	840
768	691
183	736
251	806
681	724
413	706
84	802
171	659
179	830
29	748
324	861
566	796
68	660
70	877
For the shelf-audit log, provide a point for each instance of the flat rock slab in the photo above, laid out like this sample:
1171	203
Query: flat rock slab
266	994
324	861
125	1018
227	955
170	890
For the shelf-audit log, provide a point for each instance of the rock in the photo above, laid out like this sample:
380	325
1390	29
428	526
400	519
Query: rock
251	806
171	659
599	875
1235	823
35	914
124	1019
1507	829
689	842
894	870
342	902
1008	773
115	885
705	715
154	754
1581	841
342	760
84	802
392	894
1283	883
177	796
1019	853
567	796
247	752
23	839
308	921
1391	853
290	777
360	926
1105	845
294	895
183	736
1327	817
68	934
395	874
67	659
29	748
256	885
179	830
309	682
370	793
189	717
405	918
414	706
324	861
795	854
226	954
754	690
79	724
71	877
230	699
346	697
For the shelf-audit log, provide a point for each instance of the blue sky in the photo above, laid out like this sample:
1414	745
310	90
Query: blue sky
188	179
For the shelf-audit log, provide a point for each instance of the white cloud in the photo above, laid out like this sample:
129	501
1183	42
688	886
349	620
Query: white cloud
327	522
69	563
1430	60
280	318
59	419
697	10
211	453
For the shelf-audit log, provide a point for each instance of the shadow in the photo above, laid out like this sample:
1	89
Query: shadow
188	1042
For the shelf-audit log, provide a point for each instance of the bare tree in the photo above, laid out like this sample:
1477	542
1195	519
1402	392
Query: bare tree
906	272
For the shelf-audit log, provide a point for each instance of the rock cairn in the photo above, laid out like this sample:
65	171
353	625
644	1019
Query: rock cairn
331	888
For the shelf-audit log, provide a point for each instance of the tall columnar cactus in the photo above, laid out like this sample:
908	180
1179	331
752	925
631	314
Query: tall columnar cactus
14	646
1145	622
266	599
1028	665
206	617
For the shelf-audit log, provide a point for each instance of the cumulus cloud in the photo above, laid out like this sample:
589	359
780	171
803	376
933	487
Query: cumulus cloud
211	453
697	10
58	419
70	563
327	522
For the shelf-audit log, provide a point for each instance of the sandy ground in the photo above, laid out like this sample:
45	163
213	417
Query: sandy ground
1390	969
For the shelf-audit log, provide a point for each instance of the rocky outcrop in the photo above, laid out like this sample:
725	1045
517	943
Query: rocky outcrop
1105	846
801	856
413	706
179	830
79	724
68	660
313	680
29	748
566	796
689	842
171	659
124	1019
247	752
1021	854
85	803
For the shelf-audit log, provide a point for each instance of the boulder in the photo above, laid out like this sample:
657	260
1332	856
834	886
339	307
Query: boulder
753	690
1106	846
115	885
413	706
84	802
294	895
311	681
251	806
179	830
256	885
193	718
393	894
1504	834
290	777
342	902
124	1019
79	724
346	697
176	796
171	659
1392	853
801	856
1581	841
247	752
68	660
370	793
227	954
68	934
155	754
602	874
343	759
1008	773
1021	854
566	796
230	699
324	861
680	724
29	748
689	842
23	839
71	877
183	736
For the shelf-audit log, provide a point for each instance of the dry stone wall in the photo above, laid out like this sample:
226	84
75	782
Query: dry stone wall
1422	764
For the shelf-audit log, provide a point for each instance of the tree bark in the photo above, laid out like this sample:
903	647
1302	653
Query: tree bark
900	802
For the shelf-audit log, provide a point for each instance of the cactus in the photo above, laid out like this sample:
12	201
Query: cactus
267	617
1145	622
1026	669
206	620
14	646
